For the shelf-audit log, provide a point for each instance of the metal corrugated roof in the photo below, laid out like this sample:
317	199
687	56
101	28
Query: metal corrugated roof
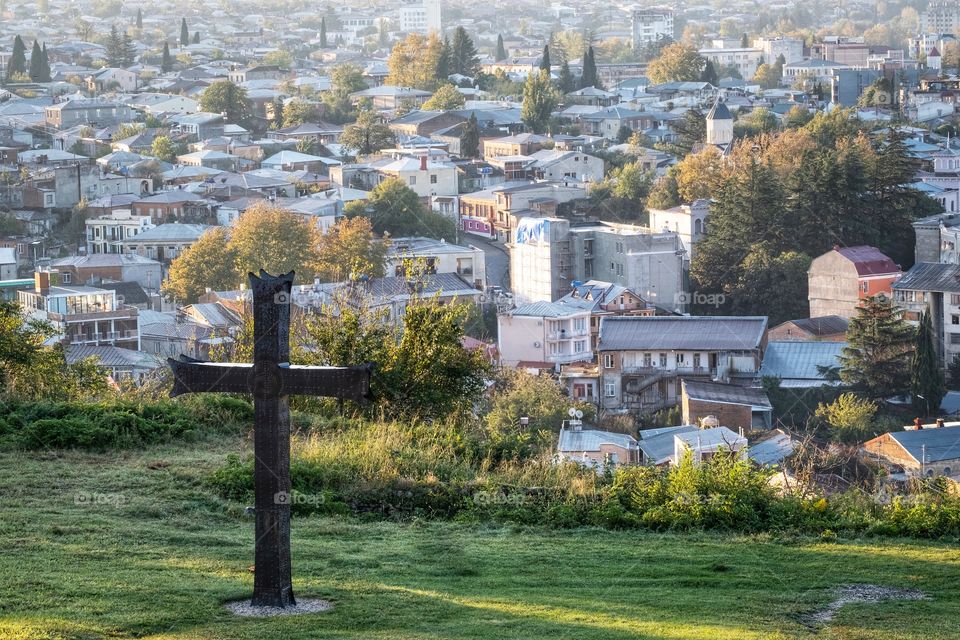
799	360
726	393
591	439
682	333
935	444
931	276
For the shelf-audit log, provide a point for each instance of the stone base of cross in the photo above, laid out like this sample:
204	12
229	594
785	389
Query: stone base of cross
271	379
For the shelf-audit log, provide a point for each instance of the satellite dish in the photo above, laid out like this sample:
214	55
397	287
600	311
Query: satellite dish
579	414
571	412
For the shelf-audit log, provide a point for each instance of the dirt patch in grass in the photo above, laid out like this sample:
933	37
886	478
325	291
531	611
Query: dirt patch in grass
304	606
860	593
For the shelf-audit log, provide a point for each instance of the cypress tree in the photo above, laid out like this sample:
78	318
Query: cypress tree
745	41
463	55
166	63
589	76
196	37
323	33
17	64
501	53
443	61
709	74
927	384
545	59
139	18
565	80
46	64
184	33
470	138
36	62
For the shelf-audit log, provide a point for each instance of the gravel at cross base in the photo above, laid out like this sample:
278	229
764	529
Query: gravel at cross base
304	606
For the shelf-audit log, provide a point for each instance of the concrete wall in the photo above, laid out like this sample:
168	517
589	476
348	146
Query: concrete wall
732	416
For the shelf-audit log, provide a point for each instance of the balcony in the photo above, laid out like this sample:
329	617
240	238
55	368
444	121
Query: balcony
679	371
118	314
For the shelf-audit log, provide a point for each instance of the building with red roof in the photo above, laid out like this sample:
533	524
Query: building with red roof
839	279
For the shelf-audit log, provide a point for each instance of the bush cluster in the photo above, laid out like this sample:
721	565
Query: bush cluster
118	423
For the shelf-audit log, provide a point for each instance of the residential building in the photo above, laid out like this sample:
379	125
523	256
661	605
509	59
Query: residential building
257	72
773	47
742	408
164	242
521	144
642	359
8	263
921	453
424	176
819	329
424	123
618	122
548	254
745	59
839	279
113	79
934	287
605	299
438	256
543	335
322	132
173	337
688	221
81	314
113	267
594	448
648	26
670	445
937	238
93	112
175	205
494	212
120	363
105	232
941	16
388	97
566	166
424	16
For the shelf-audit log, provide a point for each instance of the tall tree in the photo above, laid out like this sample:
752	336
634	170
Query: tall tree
17	64
367	135
539	101
166	60
163	149
395	208
46	64
225	97
446	98
709	74
413	62
114	48
349	249
470	138
271	238
209	262
876	360
565	81
36	63
676	63
196	37
927	383
444	62
589	76
139	18
129	50
501	52
545	59
184	33
463	54
323	33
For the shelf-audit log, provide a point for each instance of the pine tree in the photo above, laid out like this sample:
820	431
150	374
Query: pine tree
589	76
17	64
463	54
565	81
36	63
139	18
184	33
129	50
196	37
470	138
323	33
745	41
444	60
709	74
166	63
927	384
114	48
545	59
876	359
501	52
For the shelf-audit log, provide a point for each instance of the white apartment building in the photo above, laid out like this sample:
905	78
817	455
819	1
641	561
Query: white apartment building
650	25
439	256
105	233
421	17
941	16
548	255
745	59
541	335
688	221
790	48
424	176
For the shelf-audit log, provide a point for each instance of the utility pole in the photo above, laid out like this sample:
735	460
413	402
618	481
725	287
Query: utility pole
923	460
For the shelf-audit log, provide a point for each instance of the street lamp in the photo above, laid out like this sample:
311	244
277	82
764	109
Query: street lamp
927	402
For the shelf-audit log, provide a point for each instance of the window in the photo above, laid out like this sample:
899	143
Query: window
433	178
647	360
610	389
954	319
579	346
608	361
412	180
696	361
954	299
955	338
663	361
864	287
65	278
579	324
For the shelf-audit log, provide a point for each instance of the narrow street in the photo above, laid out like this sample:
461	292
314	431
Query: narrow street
497	260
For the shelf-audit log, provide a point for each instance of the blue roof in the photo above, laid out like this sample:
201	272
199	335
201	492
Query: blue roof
798	361
935	444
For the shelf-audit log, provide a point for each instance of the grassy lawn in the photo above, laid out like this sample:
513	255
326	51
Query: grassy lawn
132	545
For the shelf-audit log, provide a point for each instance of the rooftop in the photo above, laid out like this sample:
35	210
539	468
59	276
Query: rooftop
682	333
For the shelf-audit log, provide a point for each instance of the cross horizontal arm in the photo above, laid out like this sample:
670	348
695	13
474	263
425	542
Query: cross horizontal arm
194	376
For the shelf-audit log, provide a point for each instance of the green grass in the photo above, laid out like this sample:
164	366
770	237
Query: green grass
152	553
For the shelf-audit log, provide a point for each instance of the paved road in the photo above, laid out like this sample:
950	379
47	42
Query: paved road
496	258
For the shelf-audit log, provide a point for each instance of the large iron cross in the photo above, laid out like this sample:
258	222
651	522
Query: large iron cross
271	379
